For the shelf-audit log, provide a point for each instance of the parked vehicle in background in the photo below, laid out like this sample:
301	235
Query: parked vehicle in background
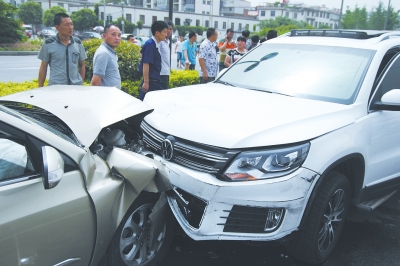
47	33
174	38
142	39
91	35
73	188
28	30
300	133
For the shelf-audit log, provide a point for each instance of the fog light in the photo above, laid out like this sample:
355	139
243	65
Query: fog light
274	218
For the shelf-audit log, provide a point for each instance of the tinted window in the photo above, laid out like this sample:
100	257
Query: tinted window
325	73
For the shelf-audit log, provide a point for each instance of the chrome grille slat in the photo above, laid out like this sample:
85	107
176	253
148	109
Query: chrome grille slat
195	154
196	166
195	157
149	131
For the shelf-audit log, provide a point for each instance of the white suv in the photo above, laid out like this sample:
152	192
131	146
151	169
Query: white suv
298	134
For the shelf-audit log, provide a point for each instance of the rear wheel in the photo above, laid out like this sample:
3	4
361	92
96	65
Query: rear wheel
324	224
131	242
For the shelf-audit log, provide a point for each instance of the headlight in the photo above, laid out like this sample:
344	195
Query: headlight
267	164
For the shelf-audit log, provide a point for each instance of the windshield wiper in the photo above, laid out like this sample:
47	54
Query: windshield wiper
256	63
224	82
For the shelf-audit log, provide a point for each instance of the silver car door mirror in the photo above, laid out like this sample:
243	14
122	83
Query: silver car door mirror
53	167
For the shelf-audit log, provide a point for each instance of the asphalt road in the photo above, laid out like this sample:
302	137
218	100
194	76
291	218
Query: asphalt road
26	67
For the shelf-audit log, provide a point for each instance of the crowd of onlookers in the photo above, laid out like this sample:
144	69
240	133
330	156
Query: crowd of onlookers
66	56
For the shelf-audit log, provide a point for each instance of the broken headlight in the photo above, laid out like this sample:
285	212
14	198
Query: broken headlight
265	164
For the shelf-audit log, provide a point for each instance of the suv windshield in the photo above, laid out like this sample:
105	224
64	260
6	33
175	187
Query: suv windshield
324	73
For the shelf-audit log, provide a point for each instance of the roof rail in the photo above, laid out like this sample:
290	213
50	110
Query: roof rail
351	34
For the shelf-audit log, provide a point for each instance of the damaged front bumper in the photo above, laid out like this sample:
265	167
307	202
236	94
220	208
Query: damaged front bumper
211	209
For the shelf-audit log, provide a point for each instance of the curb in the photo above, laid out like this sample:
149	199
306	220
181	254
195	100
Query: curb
19	53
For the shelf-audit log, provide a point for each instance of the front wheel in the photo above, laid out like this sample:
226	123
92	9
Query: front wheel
131	243
324	224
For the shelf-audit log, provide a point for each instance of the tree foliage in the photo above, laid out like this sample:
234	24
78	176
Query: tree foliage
281	21
31	13
128	26
139	24
84	19
185	29
10	29
48	15
358	18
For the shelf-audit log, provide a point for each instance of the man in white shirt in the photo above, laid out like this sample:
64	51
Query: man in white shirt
178	51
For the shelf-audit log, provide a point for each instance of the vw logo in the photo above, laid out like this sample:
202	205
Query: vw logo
167	148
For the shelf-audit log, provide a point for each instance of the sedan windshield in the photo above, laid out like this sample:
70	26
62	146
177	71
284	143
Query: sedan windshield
324	73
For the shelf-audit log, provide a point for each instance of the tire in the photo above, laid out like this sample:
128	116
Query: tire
135	251
323	225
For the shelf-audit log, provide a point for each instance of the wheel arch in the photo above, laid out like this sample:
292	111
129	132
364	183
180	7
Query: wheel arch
352	166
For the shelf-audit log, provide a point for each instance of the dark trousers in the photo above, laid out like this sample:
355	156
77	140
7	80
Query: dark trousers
165	81
202	81
154	85
192	66
221	67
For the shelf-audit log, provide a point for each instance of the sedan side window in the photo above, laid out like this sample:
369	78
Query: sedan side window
14	160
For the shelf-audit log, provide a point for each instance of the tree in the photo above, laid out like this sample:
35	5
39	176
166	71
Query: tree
31	13
378	16
48	16
139	24
356	19
128	26
96	9
84	19
10	29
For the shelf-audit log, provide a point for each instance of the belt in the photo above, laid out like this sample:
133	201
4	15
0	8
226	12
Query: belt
155	80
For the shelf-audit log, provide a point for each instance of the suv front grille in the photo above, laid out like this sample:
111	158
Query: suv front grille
200	157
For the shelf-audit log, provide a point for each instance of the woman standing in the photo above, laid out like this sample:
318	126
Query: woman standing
236	53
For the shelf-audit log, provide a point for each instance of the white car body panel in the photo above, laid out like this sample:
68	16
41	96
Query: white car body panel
77	112
215	122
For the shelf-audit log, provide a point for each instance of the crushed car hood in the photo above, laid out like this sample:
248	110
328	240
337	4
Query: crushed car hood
232	117
85	109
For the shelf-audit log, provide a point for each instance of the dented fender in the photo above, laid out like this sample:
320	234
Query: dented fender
114	185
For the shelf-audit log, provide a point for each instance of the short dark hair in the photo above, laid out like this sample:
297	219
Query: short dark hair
210	32
241	38
229	30
191	34
107	27
158	26
272	34
58	17
246	33
263	39
169	23
129	37
255	39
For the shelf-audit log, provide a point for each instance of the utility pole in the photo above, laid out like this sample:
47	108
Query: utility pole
104	13
49	3
122	21
340	16
387	15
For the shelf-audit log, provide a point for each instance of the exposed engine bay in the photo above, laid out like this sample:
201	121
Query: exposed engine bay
125	134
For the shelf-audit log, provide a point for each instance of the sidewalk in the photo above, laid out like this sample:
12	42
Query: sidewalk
19	53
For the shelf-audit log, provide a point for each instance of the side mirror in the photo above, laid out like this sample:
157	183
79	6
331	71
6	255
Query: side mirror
390	101
222	72
53	167
391	97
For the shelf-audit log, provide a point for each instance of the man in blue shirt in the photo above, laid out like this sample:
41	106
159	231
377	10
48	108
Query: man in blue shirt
150	64
189	50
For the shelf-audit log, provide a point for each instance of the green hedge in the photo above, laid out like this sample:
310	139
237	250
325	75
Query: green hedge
178	78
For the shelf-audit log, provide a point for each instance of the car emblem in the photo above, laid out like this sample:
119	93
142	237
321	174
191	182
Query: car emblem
167	148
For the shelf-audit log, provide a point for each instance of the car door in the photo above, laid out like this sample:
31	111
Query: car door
383	168
38	226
